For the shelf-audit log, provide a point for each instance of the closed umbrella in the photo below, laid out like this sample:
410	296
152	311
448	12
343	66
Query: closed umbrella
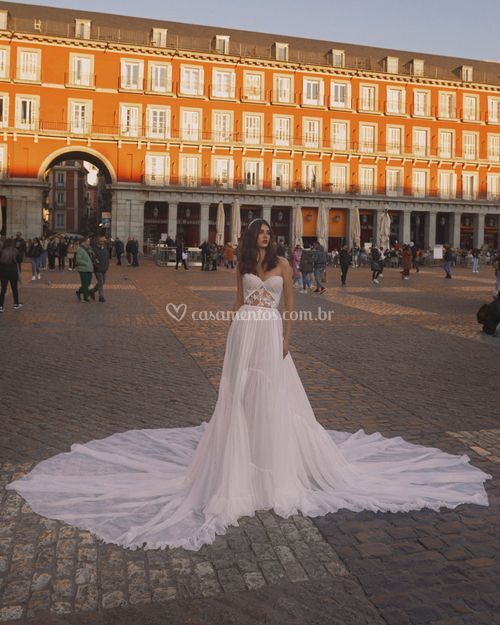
236	222
297	226
322	226
356	228
220	224
384	229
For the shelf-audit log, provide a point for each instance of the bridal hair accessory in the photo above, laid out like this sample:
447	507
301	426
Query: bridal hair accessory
256	219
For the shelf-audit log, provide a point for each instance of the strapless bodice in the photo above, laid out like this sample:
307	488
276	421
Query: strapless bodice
258	292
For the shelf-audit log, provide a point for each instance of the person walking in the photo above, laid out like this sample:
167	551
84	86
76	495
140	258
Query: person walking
119	249
128	251
229	255
345	260
10	260
52	252
72	248
101	266
414	256
448	262
180	254
35	252
319	265
135	252
407	258
62	250
306	267
85	266
375	263
43	257
20	245
205	249
296	273
475	260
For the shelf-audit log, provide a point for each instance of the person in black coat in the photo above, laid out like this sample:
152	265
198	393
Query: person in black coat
135	252
205	248
119	249
180	252
345	260
10	259
489	316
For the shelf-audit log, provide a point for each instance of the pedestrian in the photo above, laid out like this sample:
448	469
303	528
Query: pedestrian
180	254
135	252
489	316
496	267
35	252
475	260
43	257
85	266
205	249
306	267
101	265
345	260
448	262
375	263
319	265
229	255
72	248
414	256
62	251
355	256
128	251
406	256
119	248
20	245
296	273
52	252
10	261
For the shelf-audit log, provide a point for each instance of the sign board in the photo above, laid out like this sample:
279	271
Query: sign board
438	252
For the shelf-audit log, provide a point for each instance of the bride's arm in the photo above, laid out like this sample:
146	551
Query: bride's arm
287	301
239	289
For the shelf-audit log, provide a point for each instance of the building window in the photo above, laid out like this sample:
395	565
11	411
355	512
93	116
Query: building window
493	186
466	72
493	108
394	182
447	105
80	117
337	58
222	127
252	133
421	103
223	83
313	92
4	110
60	198
60	221
158	122
447	184
282	130
417	67
366	180
222	172
281	51
190	125
394	140
391	64
4	62
130	120
445	144
82	29
311	133
494	148
221	44
283	89
157	169
159	37
339	135
132	75
419	186
29	65
190	166
395	101
368	101
252	174
469	145
191	80
60	178
311	176
420	142
26	112
253	86
3	161
340	95
339	178
160	77
471	108
81	70
366	138
4	15
469	186
281	175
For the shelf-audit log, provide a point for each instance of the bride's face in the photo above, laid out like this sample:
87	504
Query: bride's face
263	237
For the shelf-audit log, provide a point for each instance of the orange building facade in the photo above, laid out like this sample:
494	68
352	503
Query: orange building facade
180	117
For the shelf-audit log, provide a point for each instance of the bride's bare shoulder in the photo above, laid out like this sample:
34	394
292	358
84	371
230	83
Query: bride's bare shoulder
284	265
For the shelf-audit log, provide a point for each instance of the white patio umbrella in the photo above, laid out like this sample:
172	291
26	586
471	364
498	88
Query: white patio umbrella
384	229
235	222
356	228
322	226
297	226
219	225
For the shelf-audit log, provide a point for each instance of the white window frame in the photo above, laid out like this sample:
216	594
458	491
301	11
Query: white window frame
417	67
190	133
466	73
281	51
470	140
395	106
281	138
448	190
34	74
391	146
35	110
80	125
308	86
253	135
494	110
4	120
279	94
130	120
187	86
222	134
337	141
363	145
339	178
417	189
466	195
188	178
445	111
157	168
337	58
82	29
441	151
470	113
312	183
394	190
4	16
251	93
285	181
218	179
3	161
154	86
364	188
60	221
336	103
418	149
127	82
392	64
368	103
418	110
493	186
253	179
311	132
222	44
4	62
223	83
159	37
494	148
60	198
76	77
154	128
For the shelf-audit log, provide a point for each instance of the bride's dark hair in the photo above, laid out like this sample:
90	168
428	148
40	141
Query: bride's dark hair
250	250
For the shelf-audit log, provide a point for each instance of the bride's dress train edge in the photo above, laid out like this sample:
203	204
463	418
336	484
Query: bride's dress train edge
262	449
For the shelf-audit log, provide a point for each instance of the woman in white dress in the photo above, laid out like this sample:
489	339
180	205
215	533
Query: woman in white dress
262	448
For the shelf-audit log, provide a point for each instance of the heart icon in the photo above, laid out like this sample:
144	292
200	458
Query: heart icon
176	312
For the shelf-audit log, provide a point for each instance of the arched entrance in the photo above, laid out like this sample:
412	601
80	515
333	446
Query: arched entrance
78	197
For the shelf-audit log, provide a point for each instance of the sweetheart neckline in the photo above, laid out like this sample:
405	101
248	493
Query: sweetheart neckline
263	281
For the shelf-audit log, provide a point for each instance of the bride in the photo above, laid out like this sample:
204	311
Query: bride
262	448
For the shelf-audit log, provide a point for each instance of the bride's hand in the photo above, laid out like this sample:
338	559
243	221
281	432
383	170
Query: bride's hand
285	348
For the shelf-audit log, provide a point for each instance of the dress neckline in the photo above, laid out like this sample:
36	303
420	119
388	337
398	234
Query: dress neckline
263	281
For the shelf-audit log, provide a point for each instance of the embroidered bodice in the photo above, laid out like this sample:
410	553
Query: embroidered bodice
258	292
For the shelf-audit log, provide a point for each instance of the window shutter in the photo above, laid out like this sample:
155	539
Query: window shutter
200	82
321	93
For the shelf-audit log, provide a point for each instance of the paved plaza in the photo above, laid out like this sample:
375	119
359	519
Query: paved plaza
405	358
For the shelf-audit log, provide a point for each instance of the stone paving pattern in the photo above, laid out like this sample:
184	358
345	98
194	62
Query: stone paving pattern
401	358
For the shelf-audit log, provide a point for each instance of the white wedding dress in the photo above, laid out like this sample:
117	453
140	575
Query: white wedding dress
262	449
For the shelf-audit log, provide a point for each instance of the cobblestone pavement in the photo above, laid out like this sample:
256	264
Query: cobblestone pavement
403	358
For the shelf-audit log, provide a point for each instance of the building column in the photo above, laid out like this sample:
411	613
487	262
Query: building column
204	218
404	235
376	221
498	232
456	220
172	219
266	212
348	227
478	234
430	230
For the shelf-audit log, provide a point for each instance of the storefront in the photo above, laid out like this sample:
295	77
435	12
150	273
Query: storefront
188	224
